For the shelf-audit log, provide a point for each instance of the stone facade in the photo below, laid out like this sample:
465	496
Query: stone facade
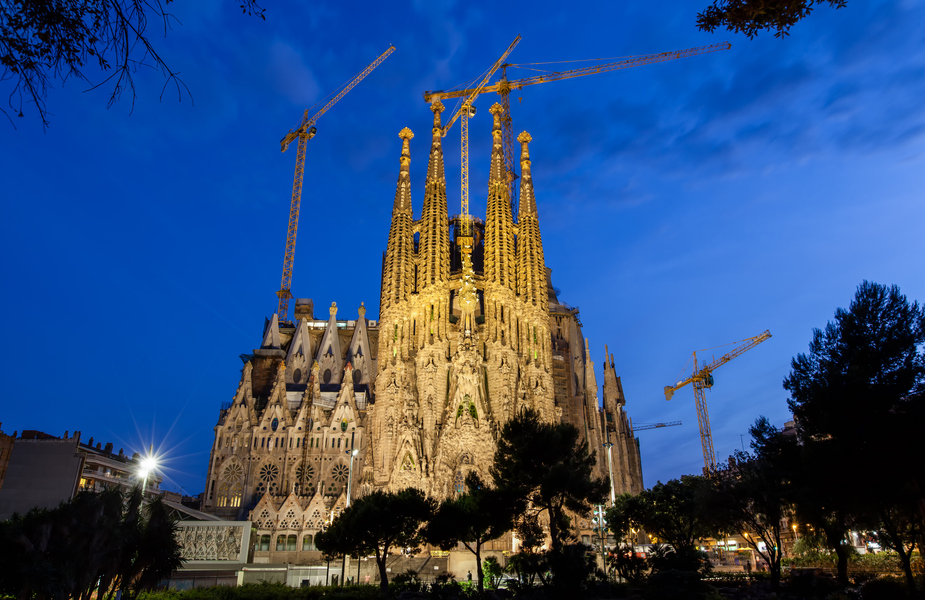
470	332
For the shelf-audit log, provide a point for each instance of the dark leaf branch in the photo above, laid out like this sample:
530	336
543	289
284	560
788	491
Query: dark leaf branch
752	16
43	42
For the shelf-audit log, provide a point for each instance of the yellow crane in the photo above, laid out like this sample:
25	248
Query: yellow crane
304	132
504	87
702	378
466	110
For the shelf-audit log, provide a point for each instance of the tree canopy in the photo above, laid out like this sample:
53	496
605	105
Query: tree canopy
550	467
376	523
752	16
753	494
43	42
97	542
856	394
477	516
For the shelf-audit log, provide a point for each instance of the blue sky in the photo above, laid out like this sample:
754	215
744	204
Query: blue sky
682	205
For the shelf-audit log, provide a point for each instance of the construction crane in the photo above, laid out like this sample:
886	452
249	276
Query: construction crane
504	87
304	132
466	110
644	426
702	378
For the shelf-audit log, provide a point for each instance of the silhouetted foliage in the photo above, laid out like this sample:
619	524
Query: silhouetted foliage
376	523
752	16
548	469
548	466
477	516
97	542
43	41
673	512
857	393
753	493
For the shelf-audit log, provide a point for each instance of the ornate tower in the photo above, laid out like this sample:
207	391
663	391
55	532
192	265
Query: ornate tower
398	270
434	265
499	224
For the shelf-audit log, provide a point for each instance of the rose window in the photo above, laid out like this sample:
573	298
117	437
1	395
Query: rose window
305	472
233	473
339	473
269	474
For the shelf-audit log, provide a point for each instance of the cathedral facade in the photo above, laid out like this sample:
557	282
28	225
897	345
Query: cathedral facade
470	332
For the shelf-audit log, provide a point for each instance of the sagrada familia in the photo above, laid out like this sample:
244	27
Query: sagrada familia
470	331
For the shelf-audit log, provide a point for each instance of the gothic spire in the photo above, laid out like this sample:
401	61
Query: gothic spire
398	271
531	266
434	249
499	224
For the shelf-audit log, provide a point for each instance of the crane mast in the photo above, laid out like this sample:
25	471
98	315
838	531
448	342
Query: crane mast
701	379
466	111
504	86
304	132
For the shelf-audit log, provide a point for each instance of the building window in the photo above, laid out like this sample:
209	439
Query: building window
231	487
290	543
264	543
267	481
274	424
308	543
280	543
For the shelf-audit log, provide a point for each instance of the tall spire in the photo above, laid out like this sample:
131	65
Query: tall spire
531	266
398	272
435	162
499	224
434	249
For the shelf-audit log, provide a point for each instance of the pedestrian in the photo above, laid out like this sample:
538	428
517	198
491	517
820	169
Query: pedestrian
469	576
366	580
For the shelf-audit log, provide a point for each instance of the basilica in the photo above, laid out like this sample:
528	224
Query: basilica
470	331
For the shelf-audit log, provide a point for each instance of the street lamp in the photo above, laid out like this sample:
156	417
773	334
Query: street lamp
601	524
352	454
148	465
343	566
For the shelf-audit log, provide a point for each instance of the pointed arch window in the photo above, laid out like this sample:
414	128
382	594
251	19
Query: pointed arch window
274	424
232	486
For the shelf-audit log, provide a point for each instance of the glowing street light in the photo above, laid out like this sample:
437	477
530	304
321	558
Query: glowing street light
350	475
148	465
343	567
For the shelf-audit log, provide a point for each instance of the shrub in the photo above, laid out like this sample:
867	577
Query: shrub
885	588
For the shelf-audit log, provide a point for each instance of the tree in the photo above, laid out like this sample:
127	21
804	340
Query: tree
547	466
41	42
376	523
753	494
855	394
479	515
752	16
675	512
95	543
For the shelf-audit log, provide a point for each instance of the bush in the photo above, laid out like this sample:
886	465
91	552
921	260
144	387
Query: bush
678	585
267	591
885	588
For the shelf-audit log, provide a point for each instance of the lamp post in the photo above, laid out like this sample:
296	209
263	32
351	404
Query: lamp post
601	523
343	566
608	445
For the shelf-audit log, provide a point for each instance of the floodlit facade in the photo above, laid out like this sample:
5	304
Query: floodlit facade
470	332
